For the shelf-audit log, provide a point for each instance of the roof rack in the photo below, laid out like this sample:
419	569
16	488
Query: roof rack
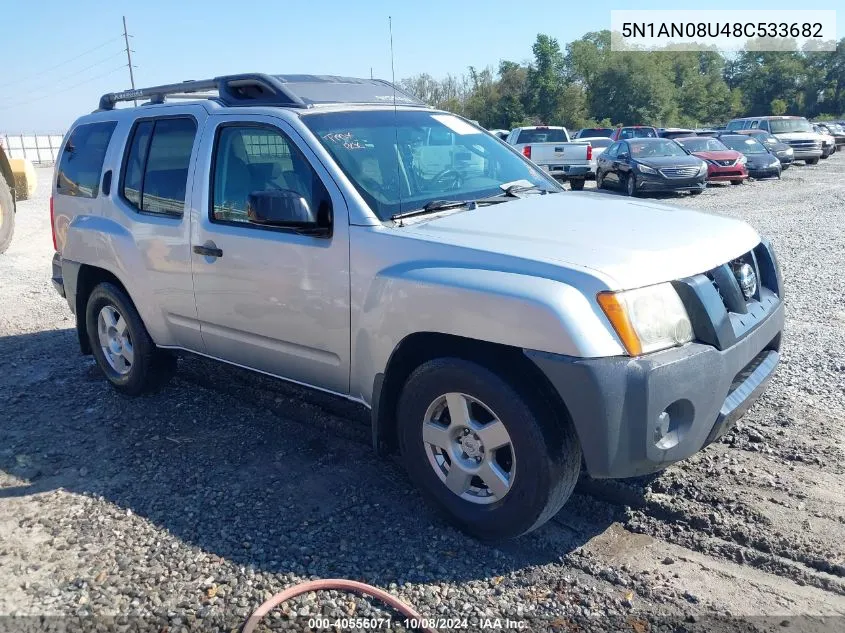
291	91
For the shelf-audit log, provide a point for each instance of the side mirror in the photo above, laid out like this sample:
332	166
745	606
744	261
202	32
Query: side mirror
285	208
623	156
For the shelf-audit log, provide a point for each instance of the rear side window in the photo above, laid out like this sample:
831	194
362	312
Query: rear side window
82	160
155	173
735	125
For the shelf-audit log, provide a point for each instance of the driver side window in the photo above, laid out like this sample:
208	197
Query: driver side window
254	158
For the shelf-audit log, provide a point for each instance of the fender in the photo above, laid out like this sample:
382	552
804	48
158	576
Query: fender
103	243
509	308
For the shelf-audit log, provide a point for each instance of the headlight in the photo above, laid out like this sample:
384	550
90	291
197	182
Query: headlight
646	169
703	168
789	152
647	319
742	160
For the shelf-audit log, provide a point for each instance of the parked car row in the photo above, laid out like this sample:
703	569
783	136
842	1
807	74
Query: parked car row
639	158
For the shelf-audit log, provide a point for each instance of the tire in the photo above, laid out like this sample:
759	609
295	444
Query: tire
545	456
696	192
811	161
631	185
599	180
736	182
150	367
7	216
577	185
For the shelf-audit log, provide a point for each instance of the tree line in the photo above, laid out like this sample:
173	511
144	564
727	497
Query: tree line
588	85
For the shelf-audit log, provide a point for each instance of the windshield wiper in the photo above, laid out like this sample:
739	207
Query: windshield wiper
508	192
513	190
443	205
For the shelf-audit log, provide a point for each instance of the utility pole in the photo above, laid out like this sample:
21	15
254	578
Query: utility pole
129	57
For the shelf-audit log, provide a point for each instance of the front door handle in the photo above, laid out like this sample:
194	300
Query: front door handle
209	250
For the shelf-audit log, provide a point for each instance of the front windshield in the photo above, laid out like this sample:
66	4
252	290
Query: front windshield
744	145
766	138
785	126
654	149
400	161
702	144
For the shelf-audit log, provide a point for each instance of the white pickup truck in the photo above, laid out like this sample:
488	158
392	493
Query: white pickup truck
550	148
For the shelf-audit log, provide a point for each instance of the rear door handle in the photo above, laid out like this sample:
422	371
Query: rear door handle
209	250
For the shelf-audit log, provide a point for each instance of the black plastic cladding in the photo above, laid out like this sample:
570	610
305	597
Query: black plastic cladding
718	311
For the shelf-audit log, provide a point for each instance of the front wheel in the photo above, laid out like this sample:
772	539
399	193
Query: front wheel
599	180
121	344
577	185
811	161
631	185
496	460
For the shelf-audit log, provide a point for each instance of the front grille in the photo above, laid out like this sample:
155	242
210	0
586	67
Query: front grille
679	172
807	144
724	280
725	163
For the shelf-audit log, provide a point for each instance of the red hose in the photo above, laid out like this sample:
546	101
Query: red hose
339	585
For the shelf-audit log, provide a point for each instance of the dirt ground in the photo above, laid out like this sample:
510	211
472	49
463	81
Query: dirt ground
200	501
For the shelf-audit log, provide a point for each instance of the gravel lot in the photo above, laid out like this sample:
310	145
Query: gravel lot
192	506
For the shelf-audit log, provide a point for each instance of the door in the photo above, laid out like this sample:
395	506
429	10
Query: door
268	298
151	196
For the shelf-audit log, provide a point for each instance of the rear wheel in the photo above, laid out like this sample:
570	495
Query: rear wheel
576	185
496	460
736	182
7	215
811	161
631	185
121	344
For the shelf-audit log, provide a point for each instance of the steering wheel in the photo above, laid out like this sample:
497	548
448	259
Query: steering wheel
450	179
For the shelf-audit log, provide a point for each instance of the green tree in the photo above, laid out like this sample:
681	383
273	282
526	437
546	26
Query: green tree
545	79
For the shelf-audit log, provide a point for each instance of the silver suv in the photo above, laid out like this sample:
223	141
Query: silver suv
339	234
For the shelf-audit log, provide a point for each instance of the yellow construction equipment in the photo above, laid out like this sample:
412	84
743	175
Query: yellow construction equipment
7	202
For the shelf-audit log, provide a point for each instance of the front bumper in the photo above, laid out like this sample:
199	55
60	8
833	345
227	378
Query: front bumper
765	172
650	182
617	403
804	154
726	174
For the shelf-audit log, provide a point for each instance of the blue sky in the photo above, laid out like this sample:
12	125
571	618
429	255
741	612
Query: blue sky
49	42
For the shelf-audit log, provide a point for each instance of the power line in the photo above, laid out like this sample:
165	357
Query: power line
55	92
64	78
41	73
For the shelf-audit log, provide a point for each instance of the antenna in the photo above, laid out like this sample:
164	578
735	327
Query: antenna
129	57
395	118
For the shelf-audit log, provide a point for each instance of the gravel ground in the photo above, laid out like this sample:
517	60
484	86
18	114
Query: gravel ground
184	510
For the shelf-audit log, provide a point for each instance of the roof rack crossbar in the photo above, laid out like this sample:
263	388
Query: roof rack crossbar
247	89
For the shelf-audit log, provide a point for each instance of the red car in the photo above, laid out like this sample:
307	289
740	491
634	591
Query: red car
723	164
634	131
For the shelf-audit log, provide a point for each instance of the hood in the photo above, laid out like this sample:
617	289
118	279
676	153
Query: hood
761	159
721	154
659	162
625	243
796	136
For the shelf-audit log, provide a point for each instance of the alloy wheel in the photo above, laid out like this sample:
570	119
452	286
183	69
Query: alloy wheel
115	340
469	448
